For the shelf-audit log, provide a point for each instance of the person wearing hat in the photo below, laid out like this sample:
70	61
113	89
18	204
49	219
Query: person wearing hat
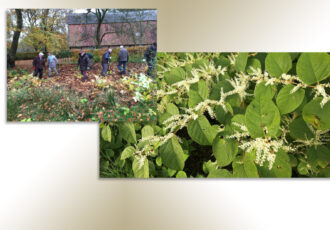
150	57
83	61
52	61
122	59
106	58
39	65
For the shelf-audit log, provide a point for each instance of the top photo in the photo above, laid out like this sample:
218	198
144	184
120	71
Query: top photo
81	65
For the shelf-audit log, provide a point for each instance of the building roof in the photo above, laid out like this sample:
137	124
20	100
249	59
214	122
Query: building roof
133	16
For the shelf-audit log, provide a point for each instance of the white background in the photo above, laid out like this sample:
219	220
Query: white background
49	171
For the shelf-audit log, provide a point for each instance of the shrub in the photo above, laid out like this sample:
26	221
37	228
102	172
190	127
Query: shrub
231	115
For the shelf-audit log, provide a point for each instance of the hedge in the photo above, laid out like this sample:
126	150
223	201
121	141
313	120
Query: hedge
135	52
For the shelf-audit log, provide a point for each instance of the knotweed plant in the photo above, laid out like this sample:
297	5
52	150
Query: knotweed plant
230	115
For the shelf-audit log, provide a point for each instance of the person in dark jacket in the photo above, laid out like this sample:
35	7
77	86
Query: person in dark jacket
150	56
91	60
106	58
122	59
39	65
83	64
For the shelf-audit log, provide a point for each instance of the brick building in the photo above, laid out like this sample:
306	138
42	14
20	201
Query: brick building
129	29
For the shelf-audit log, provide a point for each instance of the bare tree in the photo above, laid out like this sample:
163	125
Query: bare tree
99	35
11	56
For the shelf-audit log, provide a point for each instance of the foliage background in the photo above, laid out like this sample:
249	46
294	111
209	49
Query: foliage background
229	115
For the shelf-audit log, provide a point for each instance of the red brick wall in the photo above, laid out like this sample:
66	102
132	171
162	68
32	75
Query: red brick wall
83	35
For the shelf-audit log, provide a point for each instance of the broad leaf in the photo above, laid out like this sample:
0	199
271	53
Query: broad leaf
175	75
127	131
299	130
197	93
262	113
264	91
220	173
147	131
141	168
201	131
172	154
128	152
278	63
224	151
316	116
106	133
281	166
241	61
287	102
313	67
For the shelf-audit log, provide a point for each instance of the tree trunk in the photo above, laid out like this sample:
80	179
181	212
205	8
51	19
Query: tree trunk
11	56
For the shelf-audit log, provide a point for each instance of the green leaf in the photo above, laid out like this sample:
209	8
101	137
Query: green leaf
106	133
281	167
127	131
299	130
172	154
159	161
313	67
181	174
220	173
316	116
147	131
201	131
244	169
174	75
319	156
209	166
325	172
172	109
221	61
261	113
302	168
278	63
241	61
141	170
264	91
104	165
128	152
197	93
224	151
252	62
288	102
171	172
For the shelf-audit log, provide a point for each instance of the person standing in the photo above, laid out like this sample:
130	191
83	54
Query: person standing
150	56
91	60
122	59
106	58
39	65
83	61
52	61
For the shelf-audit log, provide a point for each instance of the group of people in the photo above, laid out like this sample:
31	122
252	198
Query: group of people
85	61
39	64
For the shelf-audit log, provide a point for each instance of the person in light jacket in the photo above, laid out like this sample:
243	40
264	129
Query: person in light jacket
122	59
52	61
39	65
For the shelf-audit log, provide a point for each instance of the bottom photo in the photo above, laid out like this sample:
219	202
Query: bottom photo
228	115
